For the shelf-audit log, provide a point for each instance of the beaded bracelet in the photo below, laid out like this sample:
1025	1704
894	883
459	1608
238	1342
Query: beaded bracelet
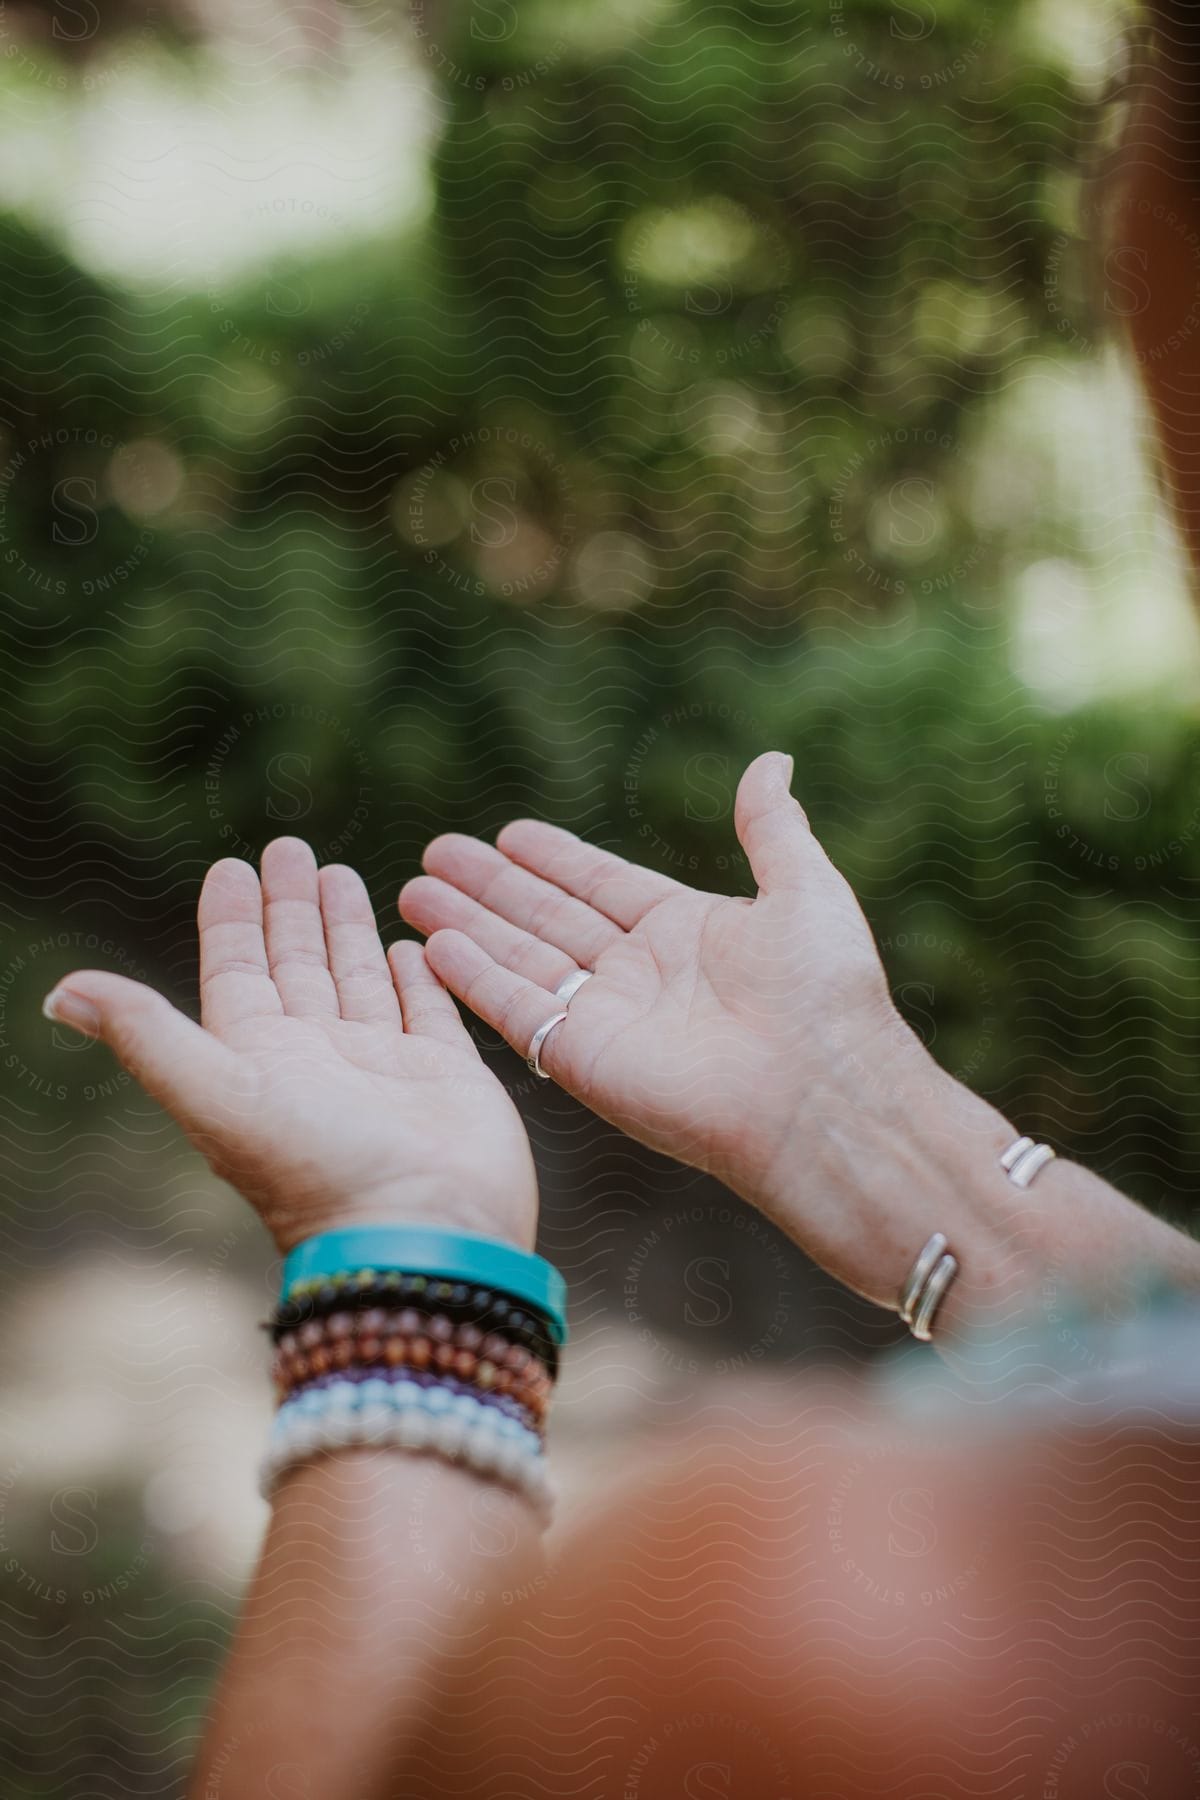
502	1403
401	1415
324	1347
369	1290
410	1335
454	1256
369	1353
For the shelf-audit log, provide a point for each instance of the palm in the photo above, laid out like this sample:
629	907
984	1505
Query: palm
672	1032
341	1108
703	1010
329	1083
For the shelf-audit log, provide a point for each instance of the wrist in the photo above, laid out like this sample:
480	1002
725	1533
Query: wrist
888	1149
883	1149
433	1200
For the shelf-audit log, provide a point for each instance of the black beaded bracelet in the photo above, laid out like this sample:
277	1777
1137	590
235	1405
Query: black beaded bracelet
460	1301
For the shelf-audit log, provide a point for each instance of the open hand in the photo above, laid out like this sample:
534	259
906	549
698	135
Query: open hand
331	1084
713	1026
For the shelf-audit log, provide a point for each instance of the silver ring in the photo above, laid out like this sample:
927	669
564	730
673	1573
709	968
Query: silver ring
570	985
534	1058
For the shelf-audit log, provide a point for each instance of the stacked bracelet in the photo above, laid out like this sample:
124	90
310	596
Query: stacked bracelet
501	1403
453	1256
402	1416
368	1291
407	1339
415	1344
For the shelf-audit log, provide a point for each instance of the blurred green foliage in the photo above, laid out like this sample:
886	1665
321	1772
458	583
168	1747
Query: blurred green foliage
651	448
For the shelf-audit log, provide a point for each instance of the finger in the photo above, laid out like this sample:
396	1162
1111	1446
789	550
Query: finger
235	978
511	1005
427	1008
620	890
537	906
182	1066
295	931
771	825
433	905
356	959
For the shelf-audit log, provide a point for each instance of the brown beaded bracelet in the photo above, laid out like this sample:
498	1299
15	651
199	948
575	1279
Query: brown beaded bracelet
378	1325
370	1291
326	1347
417	1354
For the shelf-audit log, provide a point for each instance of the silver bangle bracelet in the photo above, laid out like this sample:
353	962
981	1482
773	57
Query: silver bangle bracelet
926	1287
934	1270
922	1269
921	1324
1023	1161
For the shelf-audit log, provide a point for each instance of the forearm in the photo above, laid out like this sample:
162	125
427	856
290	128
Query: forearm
875	1164
375	1564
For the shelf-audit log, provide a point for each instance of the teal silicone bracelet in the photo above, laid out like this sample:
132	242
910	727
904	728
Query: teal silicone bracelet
446	1255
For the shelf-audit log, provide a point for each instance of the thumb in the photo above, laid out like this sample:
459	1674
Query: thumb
179	1064
771	825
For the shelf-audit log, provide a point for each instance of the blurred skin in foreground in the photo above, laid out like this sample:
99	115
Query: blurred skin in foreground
825	1602
823	1595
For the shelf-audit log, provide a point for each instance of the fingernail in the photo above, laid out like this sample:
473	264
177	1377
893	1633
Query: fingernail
63	1007
789	768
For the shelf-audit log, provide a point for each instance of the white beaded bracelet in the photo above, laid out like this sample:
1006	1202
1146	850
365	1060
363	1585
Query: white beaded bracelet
401	1415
